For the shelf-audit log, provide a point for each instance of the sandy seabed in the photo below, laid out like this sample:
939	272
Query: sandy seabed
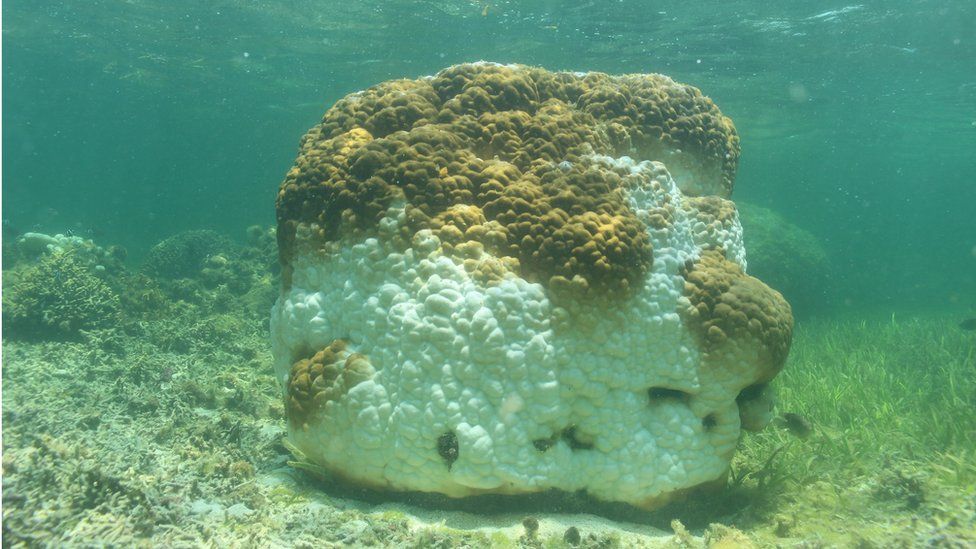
170	433
114	440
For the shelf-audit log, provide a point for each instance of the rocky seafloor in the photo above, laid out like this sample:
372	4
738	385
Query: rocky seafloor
140	409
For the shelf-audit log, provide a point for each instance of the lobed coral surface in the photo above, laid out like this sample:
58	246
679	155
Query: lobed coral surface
501	279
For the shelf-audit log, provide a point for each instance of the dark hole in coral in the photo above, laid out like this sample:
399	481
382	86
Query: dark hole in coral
447	447
542	444
709	421
569	435
572	536
657	394
751	392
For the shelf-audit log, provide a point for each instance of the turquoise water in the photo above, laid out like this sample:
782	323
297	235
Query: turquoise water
140	404
131	121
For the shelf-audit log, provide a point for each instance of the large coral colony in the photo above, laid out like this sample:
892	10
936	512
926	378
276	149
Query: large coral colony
501	279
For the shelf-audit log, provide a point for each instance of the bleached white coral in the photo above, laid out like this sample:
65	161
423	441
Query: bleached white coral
568	319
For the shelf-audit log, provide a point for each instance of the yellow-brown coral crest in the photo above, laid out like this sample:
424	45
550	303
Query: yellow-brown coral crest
324	377
726	304
511	141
